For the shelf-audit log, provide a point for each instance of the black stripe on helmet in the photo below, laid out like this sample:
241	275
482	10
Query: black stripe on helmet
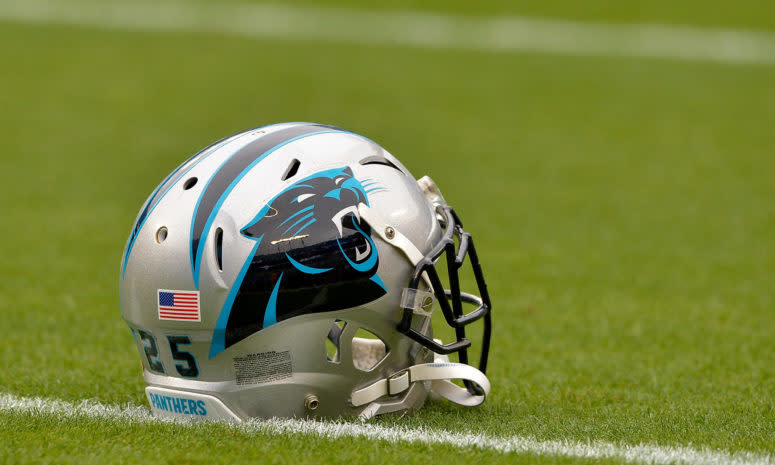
223	181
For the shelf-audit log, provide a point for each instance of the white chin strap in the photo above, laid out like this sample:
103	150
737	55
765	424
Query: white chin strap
438	373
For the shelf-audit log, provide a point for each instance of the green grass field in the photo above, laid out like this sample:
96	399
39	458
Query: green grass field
624	211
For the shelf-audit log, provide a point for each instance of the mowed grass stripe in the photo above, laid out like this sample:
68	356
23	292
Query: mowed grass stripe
642	453
413	29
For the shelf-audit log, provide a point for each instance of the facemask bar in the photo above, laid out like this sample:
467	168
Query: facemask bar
451	300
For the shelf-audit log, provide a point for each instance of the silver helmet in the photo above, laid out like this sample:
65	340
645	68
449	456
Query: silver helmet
254	271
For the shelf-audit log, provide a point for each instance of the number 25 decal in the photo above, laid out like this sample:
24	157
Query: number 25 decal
188	368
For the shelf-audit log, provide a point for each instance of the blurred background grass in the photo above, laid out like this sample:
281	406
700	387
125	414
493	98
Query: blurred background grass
623	208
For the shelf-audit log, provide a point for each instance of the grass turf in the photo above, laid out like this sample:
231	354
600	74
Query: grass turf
622	209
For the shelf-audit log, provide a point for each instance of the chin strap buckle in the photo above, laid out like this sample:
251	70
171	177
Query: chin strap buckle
398	383
439	373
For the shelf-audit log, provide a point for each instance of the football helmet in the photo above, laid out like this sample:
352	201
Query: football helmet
290	271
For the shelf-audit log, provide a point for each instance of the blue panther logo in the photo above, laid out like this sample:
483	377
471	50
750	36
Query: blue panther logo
313	253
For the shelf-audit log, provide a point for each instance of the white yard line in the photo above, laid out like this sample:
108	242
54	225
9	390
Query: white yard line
411	29
642	453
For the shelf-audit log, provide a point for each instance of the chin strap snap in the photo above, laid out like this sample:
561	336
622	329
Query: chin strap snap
438	373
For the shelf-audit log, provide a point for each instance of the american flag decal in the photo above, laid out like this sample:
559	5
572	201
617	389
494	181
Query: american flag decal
179	305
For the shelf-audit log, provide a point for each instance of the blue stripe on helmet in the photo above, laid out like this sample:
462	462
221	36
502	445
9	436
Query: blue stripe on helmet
270	314
304	268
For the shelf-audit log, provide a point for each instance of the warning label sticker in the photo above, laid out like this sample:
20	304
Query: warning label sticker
263	367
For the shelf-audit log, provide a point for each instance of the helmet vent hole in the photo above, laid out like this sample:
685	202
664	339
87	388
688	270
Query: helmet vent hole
161	234
368	350
332	341
219	248
293	168
378	160
190	182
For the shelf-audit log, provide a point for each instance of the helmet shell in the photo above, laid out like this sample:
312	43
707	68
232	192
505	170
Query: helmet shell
228	226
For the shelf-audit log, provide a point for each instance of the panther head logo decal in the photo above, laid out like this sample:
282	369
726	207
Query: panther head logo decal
313	253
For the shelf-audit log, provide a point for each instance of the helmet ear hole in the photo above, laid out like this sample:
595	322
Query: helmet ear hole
333	339
368	350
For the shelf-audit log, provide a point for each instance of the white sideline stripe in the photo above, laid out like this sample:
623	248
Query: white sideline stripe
412	29
642	453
